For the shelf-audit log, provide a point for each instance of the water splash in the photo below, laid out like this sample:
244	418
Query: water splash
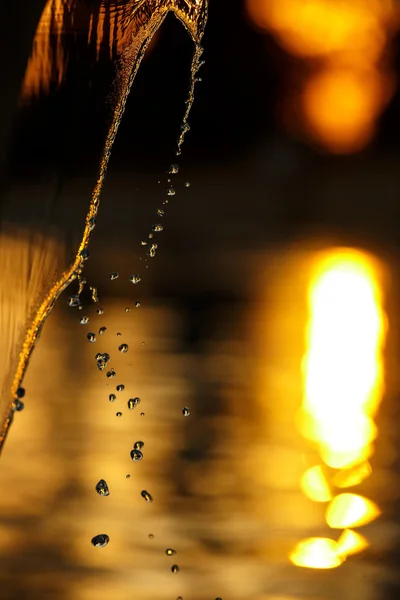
145	19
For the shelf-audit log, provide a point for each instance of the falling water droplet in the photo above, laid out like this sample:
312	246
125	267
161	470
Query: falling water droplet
100	311
133	402
136	455
137	304
148	497
102	330
111	373
119	333
102	359
114	276
84	254
18	405
152	250
170	552
20	392
123	348
102	488
92	223
84	320
91	337
187	184
142	414
135	278
174	169
171	191
138	445
101	540
120	387
143	243
157	227
74	300
127	309
160	212
112	397
119	414
175	569
151	536
185	411
127	476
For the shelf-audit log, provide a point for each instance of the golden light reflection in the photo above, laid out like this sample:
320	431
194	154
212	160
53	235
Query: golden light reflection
351	510
342	367
347	84
315	485
343	386
317	553
351	542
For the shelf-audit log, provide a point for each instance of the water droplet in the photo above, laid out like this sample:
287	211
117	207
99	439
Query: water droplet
114	276
127	309
123	348
157	227
143	243
187	184
92	223
118	333
185	411
135	278
120	387
91	337
151	536
102	488
170	552
112	397
175	569
160	212
136	455
142	414
74	300
138	445
20	392
127	476
171	191
100	311
84	254
111	373
84	320
148	497
102	359
137	304
119	414
18	405
132	402
152	250
101	540
102	330
174	169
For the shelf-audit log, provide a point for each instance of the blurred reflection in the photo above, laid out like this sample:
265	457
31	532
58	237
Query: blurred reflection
347	83
343	379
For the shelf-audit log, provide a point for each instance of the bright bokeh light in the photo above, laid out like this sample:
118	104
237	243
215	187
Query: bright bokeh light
351	542
354	476
315	485
347	85
317	553
342	366
351	510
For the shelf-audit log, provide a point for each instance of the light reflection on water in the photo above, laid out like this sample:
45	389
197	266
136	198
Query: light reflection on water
103	24
225	481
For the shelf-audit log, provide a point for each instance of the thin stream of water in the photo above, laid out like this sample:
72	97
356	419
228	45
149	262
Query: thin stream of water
145	20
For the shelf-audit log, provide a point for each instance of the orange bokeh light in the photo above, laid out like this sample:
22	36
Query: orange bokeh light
343	98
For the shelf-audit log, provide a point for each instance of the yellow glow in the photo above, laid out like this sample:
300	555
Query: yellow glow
317	553
351	510
351	542
315	485
343	365
343	100
349	477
